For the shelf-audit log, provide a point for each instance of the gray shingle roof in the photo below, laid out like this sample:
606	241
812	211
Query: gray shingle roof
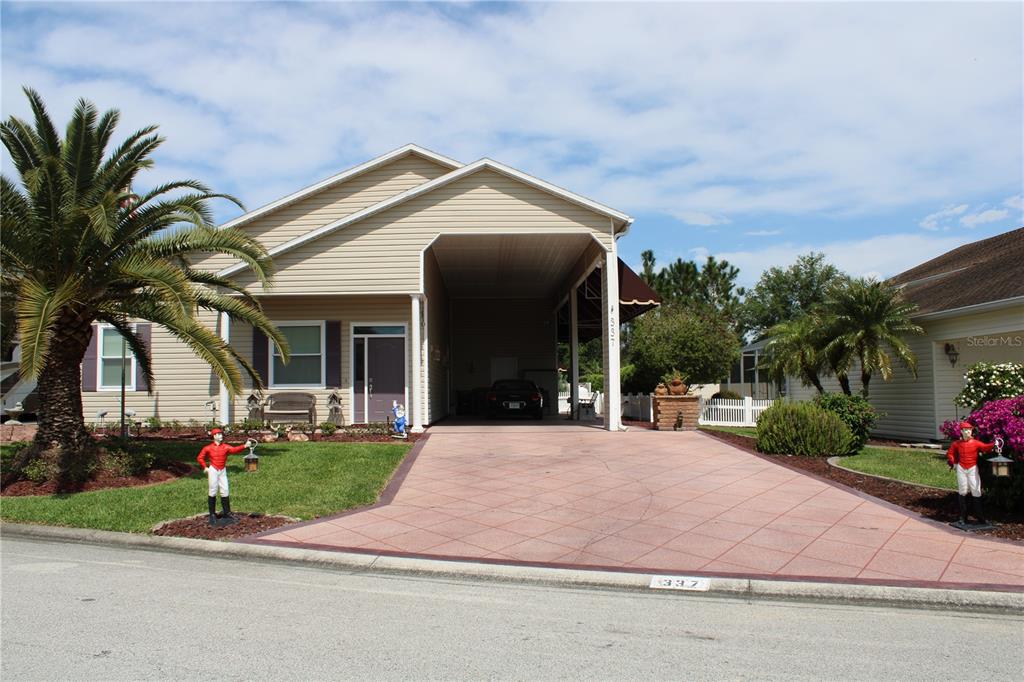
980	272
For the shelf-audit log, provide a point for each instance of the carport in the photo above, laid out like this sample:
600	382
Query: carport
496	306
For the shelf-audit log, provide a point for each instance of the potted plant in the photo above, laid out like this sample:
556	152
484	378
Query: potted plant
660	390
676	381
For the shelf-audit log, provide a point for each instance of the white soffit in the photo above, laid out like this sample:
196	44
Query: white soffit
341	177
483	164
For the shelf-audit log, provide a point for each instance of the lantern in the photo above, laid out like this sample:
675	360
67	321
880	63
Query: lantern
252	460
1000	464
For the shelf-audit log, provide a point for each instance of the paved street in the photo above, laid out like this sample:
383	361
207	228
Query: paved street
97	613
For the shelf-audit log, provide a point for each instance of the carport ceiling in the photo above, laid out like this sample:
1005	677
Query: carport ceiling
507	266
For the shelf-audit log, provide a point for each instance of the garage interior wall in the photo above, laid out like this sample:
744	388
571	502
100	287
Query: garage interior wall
508	335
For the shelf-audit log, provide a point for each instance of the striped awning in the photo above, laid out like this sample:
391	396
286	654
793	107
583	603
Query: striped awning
635	298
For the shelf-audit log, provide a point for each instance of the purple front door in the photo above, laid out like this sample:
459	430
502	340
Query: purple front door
385	376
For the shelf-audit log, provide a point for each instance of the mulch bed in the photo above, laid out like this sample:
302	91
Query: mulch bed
199	527
937	505
162	473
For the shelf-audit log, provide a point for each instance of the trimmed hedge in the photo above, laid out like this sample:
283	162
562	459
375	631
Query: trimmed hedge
803	429
855	411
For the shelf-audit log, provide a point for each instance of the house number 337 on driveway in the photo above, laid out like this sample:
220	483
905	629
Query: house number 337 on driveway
673	582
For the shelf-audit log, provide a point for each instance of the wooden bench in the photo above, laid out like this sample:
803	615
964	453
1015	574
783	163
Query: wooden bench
290	407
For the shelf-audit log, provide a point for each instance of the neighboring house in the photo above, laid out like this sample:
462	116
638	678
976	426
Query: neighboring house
411	277
747	378
971	305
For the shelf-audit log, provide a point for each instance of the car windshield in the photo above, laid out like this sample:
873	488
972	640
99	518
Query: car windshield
513	385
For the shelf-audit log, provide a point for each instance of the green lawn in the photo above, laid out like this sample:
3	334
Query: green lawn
301	480
740	430
913	466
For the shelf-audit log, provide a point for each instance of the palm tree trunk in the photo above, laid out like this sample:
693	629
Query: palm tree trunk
865	377
62	437
844	383
812	377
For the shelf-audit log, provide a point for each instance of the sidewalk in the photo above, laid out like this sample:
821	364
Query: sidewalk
653	503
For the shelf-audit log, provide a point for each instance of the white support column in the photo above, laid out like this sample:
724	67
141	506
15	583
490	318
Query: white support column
425	345
416	381
225	396
574	345
610	341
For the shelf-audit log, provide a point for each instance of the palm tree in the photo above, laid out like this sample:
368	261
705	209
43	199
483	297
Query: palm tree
869	318
79	247
793	349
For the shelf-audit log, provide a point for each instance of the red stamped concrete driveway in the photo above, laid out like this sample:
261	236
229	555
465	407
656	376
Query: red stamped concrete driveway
651	501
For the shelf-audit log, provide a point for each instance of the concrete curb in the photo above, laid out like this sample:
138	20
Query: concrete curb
920	597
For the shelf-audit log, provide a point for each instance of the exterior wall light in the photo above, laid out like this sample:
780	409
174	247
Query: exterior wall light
952	353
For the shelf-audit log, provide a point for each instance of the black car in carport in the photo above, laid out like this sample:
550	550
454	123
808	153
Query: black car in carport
515	396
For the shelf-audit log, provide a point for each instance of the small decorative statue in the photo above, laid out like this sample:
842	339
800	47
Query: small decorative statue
217	474
963	458
398	410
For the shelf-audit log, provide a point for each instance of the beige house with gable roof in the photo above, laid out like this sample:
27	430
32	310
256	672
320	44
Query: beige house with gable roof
411	277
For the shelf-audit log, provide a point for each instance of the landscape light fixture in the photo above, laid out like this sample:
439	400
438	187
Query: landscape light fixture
1000	464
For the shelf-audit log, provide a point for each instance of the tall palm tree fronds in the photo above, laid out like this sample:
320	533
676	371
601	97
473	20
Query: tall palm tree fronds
869	319
77	246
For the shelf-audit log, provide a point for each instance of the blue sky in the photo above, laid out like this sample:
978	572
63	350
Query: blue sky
882	134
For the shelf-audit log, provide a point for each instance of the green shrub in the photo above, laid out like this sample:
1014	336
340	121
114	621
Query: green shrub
9	452
986	381
328	428
727	395
154	423
130	461
40	470
855	411
803	429
251	425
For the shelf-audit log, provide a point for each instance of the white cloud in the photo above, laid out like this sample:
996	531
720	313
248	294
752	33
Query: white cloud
763	233
698	218
935	220
879	257
714	111
1015	202
988	216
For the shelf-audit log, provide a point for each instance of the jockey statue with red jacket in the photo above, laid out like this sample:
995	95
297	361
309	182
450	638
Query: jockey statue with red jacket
217	475
963	457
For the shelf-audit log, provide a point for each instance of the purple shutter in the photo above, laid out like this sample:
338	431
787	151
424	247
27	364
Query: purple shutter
89	362
260	361
144	332
332	354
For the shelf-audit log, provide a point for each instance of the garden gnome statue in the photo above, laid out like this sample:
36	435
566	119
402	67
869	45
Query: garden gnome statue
217	474
398	410
963	458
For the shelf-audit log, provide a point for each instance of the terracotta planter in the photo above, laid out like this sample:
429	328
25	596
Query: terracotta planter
661	389
677	387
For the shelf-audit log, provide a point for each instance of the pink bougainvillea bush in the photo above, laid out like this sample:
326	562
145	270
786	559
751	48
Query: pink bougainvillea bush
1003	418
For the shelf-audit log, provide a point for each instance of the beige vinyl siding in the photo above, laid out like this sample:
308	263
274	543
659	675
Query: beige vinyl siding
182	384
996	336
523	329
381	253
915	409
438	348
334	203
358	309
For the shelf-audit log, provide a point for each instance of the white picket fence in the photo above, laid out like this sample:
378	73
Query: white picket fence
727	412
635	406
